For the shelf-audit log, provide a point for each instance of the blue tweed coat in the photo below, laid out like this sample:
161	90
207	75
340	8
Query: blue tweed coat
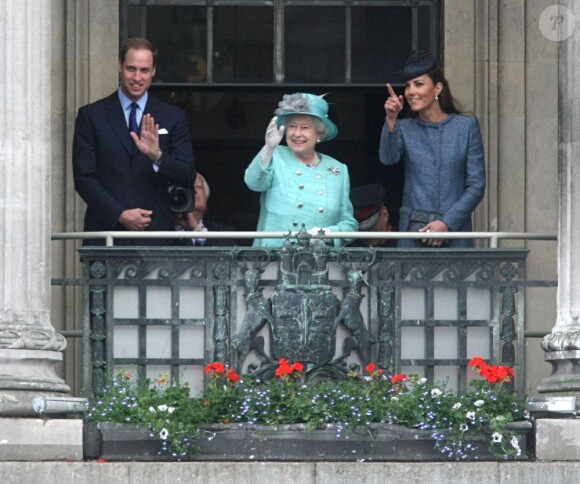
294	194
444	168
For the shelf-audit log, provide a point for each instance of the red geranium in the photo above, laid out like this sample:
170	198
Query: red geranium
492	373
399	378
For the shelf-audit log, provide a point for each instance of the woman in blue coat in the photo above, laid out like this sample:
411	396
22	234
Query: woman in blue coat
298	185
442	151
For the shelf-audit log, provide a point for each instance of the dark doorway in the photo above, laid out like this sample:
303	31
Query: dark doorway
228	127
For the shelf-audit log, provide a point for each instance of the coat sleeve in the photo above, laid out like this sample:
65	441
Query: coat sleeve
460	212
391	145
86	180
257	177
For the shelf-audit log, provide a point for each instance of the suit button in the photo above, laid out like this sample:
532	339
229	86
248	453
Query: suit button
301	187
298	172
319	176
321	192
320	209
295	224
300	205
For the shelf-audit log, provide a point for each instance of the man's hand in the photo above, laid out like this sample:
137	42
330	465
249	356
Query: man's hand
135	219
148	143
188	221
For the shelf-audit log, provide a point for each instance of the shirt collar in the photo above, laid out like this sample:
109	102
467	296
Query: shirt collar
126	102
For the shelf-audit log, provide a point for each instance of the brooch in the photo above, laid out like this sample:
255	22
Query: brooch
333	170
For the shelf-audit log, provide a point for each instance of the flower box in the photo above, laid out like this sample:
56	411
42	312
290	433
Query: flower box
245	442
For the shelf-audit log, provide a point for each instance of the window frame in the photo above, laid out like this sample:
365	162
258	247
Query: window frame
279	37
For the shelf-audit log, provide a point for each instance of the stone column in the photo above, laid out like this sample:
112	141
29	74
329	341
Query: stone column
29	346
562	345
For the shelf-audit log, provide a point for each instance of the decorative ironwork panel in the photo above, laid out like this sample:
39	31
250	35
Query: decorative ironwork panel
423	311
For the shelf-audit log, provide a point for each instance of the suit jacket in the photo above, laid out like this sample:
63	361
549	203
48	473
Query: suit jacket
111	175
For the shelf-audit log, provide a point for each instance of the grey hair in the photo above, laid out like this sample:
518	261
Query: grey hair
205	185
320	127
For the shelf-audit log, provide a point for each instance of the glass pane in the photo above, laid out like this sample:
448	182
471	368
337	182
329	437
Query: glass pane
158	304
424	29
180	35
158	341
243	44
381	42
125	302
445	304
446	343
412	342
314	44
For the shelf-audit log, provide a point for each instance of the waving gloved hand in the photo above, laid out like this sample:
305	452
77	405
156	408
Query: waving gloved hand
273	137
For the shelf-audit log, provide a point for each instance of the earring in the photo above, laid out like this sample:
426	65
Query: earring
318	140
437	98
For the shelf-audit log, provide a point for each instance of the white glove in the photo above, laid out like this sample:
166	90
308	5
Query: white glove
273	137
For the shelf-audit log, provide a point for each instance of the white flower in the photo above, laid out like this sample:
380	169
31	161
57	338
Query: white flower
463	427
163	434
470	415
516	445
496	437
422	381
436	392
151	409
457	406
171	409
368	378
162	408
478	403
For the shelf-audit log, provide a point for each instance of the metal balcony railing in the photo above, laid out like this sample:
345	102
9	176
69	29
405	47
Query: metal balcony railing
174	309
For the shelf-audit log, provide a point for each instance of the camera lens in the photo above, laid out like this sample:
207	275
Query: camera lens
182	199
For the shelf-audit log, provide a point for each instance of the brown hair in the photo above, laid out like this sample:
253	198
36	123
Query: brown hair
137	43
447	102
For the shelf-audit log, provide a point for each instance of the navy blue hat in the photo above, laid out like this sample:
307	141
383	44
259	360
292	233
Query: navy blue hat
418	64
367	201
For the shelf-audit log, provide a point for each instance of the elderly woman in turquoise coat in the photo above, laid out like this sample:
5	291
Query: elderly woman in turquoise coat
298	184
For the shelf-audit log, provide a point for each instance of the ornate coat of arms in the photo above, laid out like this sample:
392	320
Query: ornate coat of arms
302	315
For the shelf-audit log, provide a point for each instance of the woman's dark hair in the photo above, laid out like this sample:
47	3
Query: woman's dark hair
448	104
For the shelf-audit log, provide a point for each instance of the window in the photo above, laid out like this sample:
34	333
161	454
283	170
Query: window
227	63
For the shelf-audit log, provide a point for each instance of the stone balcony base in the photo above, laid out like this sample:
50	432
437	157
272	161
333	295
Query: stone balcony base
26	439
558	439
289	472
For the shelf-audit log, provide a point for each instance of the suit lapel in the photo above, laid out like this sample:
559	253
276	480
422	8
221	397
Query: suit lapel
116	119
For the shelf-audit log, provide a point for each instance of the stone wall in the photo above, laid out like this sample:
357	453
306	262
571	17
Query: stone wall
499	65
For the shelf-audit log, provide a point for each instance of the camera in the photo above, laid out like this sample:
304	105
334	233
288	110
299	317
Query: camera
182	199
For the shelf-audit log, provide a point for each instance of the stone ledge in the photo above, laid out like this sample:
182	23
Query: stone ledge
24	439
288	472
558	439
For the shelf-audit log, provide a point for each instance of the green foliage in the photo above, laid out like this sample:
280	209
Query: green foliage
165	407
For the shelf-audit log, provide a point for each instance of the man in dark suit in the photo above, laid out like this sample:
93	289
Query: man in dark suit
127	149
195	221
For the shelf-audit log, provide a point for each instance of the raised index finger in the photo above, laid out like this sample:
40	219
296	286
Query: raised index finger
391	91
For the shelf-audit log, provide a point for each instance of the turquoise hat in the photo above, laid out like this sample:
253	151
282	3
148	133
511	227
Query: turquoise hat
308	104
